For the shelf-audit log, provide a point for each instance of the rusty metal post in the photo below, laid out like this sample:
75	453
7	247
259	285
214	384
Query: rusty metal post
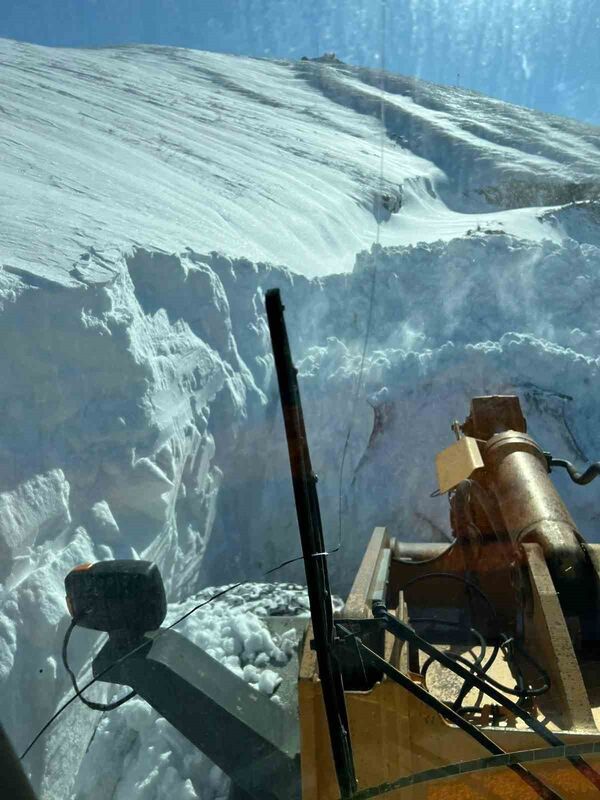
516	471
531	507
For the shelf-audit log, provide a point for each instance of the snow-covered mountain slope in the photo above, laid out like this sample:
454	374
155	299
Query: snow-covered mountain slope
271	161
146	195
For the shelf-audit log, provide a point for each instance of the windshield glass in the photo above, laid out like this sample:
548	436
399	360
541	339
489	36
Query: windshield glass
356	508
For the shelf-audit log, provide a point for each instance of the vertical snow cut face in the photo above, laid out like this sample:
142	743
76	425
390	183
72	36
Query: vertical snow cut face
151	428
139	415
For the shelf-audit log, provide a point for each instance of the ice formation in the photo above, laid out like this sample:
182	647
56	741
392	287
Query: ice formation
147	197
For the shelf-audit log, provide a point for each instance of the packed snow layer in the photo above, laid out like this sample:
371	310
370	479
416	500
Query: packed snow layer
178	456
139	411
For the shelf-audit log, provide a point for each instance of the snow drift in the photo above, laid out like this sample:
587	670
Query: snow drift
148	196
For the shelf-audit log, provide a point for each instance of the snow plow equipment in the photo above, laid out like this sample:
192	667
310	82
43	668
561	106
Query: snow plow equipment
530	696
461	670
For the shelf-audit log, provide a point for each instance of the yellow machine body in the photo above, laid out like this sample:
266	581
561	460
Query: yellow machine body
528	545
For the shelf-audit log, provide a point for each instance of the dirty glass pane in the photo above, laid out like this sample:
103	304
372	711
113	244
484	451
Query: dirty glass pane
394	593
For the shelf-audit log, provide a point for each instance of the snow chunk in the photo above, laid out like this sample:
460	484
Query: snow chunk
268	681
37	510
101	524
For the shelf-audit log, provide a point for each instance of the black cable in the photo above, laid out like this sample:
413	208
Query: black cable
448	713
452	624
517	692
155	634
478	659
528	657
460	579
582	478
463	494
467	685
89	703
110	706
149	637
406	633
522	693
483	498
202	604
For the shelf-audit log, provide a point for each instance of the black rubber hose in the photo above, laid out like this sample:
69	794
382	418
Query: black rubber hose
460	579
448	713
406	633
450	623
517	692
88	703
466	687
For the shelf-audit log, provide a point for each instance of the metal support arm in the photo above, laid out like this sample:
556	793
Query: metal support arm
253	740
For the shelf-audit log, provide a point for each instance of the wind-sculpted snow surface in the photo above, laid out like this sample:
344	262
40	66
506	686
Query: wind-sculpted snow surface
273	161
139	411
544	54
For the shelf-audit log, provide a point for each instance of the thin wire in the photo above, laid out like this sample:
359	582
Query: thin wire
289	561
153	635
89	703
150	636
359	381
294	560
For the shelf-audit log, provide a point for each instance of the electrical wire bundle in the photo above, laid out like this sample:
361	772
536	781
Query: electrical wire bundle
481	666
461	500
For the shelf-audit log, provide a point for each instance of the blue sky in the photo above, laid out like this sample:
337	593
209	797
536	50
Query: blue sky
540	53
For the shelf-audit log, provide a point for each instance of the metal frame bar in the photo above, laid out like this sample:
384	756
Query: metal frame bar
304	483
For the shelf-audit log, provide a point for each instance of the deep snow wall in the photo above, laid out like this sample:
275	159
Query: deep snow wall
140	418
